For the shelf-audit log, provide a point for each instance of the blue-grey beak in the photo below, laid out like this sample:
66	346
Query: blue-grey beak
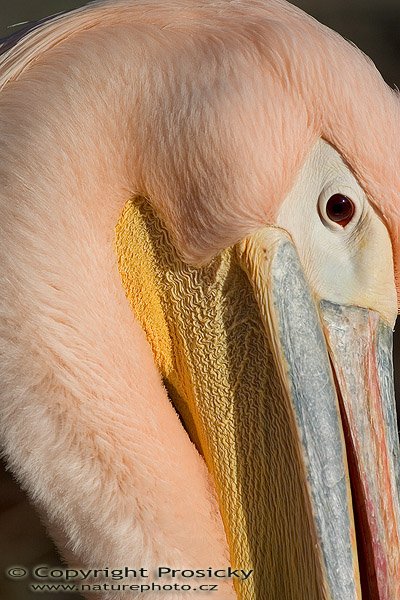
336	367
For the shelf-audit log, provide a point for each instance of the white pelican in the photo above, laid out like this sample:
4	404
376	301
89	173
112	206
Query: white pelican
199	239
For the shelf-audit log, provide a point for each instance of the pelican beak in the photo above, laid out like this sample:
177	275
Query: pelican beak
360	348
289	400
336	365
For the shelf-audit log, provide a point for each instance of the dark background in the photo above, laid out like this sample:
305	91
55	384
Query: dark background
374	26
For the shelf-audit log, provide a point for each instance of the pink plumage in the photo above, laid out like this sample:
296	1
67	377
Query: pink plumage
210	109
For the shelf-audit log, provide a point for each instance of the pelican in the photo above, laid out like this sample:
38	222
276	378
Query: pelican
199	257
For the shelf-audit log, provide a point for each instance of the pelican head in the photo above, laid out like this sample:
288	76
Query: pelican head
200	218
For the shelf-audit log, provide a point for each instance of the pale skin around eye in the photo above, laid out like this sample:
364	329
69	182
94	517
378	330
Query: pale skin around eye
346	265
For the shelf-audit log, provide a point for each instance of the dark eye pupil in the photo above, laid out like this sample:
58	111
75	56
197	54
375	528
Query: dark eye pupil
340	209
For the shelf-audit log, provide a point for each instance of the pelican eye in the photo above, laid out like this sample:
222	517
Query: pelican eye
340	209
